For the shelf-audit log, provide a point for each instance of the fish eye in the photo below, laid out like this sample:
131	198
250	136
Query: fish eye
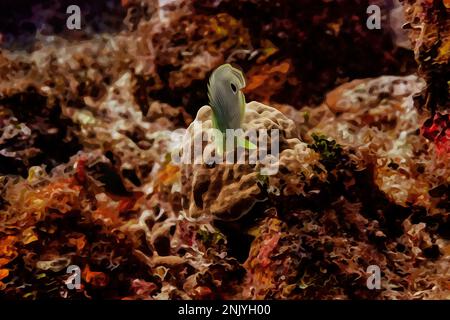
233	87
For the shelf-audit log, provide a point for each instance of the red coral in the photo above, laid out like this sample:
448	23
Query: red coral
437	129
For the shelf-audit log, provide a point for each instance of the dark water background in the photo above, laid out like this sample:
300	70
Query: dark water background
300	29
21	19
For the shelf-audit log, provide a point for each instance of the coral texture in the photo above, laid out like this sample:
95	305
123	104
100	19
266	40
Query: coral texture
227	191
87	175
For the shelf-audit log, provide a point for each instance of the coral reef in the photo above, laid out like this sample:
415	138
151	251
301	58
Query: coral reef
301	49
388	205
227	191
429	26
87	175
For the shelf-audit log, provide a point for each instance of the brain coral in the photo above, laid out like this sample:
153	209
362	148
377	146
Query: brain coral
229	190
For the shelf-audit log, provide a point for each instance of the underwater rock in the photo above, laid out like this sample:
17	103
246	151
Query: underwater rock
376	119
429	30
86	176
302	52
229	190
428	24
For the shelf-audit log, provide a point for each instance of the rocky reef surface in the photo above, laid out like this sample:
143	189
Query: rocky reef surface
86	145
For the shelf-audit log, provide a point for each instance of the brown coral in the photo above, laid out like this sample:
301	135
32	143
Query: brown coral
227	191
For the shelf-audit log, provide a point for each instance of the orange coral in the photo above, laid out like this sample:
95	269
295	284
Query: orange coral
266	80
8	251
95	278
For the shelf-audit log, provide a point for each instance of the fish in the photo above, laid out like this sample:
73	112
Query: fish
227	101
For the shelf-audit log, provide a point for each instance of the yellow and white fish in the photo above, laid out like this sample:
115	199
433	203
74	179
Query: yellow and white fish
228	101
